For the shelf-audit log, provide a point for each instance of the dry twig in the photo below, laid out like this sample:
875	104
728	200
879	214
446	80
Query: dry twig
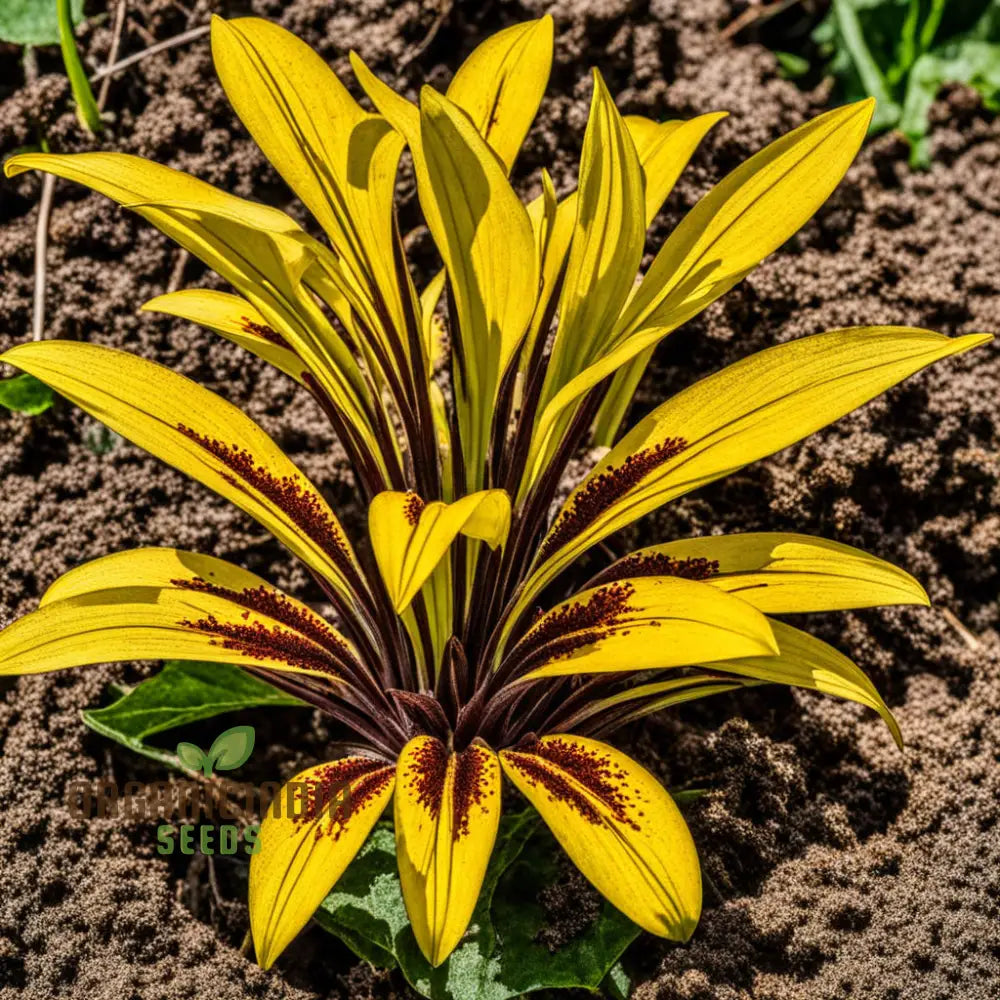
167	43
116	41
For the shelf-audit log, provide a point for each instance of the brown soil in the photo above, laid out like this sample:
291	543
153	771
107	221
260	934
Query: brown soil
837	867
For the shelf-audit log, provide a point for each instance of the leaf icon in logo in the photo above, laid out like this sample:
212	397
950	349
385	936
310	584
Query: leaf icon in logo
232	748
191	756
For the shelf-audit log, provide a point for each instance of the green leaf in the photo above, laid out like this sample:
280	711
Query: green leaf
232	748
972	62
500	957
25	394
791	65
902	51
181	693
33	22
190	755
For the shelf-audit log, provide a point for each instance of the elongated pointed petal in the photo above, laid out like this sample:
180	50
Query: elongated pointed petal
260	251
777	572
641	624
160	604
311	833
664	149
340	160
618	825
744	412
747	216
607	241
235	319
502	82
202	435
480	227
410	538
447	812
807	662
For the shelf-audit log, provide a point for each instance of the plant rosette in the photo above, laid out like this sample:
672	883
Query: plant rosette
464	654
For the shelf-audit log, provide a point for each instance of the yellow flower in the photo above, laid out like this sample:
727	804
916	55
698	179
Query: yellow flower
439	663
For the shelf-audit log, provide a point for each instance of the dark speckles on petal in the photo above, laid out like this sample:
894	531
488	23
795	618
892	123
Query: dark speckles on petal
601	491
424	774
572	774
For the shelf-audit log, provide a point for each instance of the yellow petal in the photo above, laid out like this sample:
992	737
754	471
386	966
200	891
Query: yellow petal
128	607
779	573
409	538
447	811
747	216
607	242
807	662
502	82
203	436
664	150
484	236
260	251
311	833
641	624
233	317
618	825
340	160
744	412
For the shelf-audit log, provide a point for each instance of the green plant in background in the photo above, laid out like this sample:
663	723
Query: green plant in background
229	751
86	107
467	650
25	394
902	51
35	22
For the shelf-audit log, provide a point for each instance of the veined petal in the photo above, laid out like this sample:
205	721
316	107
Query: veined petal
499	87
778	573
664	150
479	224
410	537
502	82
807	662
749	410
747	216
260	251
128	606
340	160
447	812
607	241
641	624
311	833
618	825
202	435
235	319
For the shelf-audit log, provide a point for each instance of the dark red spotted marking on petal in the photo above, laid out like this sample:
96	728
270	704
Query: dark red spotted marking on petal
262	642
560	766
660	564
601	491
574	626
472	788
424	774
289	493
265	332
337	790
413	508
275	605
